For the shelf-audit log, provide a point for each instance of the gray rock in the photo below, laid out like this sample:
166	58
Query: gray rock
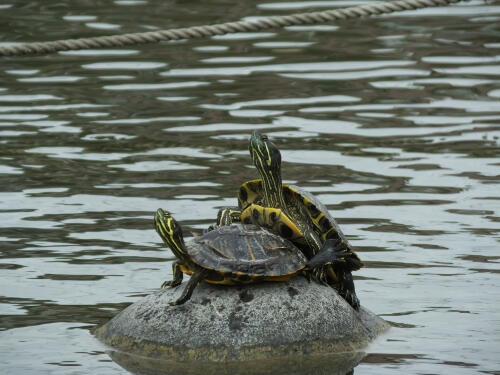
254	322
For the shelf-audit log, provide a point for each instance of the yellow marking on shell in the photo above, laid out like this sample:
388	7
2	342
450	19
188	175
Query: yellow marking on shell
185	270
245	213
251	255
325	235
265	220
252	196
317	219
281	278
314	219
282	218
225	281
252	278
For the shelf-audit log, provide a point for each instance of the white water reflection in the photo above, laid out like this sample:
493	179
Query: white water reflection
468	9
156	86
421	82
79	18
124	65
53	79
22	72
283	44
153	166
304	67
147	120
243	36
28	98
483	70
284	102
79	153
311	4
254	113
217	127
460	59
107	136
101	52
466	105
103	25
348	76
157	185
53	107
236	60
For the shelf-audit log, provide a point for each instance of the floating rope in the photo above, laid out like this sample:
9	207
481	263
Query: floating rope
264	23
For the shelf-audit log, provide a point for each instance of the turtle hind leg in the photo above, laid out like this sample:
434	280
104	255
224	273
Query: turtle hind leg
319	274
188	290
333	262
177	280
346	289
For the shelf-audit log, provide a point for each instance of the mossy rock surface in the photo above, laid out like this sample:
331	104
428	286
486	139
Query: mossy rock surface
254	322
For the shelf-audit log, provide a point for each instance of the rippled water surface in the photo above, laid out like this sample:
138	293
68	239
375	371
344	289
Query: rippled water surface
394	123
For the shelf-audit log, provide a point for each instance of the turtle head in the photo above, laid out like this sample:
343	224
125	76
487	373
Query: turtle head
171	232
267	159
265	155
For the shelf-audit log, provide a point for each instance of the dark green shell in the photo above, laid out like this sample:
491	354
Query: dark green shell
246	249
300	200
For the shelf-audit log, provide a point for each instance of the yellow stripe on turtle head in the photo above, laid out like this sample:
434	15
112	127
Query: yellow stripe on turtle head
170	231
164	223
267	159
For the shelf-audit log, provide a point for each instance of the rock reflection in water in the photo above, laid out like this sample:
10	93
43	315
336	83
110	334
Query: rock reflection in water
339	364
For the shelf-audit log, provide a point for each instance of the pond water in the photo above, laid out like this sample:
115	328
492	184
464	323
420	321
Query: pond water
393	122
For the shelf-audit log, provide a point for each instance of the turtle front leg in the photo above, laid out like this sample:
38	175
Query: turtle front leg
188	290
225	216
177	280
228	216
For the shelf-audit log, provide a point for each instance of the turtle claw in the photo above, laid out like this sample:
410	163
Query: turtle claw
169	284
209	229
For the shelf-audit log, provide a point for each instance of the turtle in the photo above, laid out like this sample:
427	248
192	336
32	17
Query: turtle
299	216
229	255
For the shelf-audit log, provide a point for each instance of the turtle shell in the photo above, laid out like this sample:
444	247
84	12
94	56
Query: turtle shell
246	249
252	192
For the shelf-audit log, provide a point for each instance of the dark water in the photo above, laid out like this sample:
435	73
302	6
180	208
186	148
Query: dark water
394	122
